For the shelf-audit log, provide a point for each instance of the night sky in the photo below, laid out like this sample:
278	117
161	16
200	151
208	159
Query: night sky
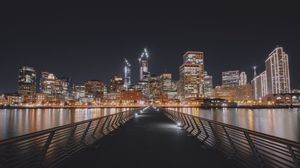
89	41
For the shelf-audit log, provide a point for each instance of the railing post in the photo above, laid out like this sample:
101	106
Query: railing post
97	126
230	141
117	123
189	123
196	127
207	135
46	146
69	139
254	150
86	130
113	121
215	134
296	161
103	125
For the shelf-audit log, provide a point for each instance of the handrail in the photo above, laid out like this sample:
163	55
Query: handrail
247	147
37	133
49	147
247	130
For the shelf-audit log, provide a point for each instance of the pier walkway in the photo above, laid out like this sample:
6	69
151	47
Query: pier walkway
149	140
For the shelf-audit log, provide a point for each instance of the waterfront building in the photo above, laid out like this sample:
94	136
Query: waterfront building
208	85
230	78
259	84
168	86
277	72
131	96
243	79
78	91
116	84
296	91
94	88
127	74
68	86
47	83
237	93
14	99
27	81
53	86
191	75
155	89
3	100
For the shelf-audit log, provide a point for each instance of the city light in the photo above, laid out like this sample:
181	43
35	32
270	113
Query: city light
193	89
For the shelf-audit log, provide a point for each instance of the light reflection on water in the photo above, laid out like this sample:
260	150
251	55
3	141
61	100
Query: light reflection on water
14	122
283	123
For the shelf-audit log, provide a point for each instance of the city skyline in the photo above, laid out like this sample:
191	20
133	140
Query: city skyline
89	45
126	65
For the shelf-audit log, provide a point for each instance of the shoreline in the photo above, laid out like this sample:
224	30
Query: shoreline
163	106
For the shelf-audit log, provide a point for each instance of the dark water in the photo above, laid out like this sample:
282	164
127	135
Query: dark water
14	122
283	123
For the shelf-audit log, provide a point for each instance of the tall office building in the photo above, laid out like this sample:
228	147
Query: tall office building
155	91
243	79
166	82
259	85
78	91
277	70
191	74
116	84
27	81
127	74
230	78
47	83
208	85
53	86
94	88
168	86
144	63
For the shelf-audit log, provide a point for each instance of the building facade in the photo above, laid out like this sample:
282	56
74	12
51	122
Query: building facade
243	79
94	88
116	84
27	81
191	74
78	91
168	86
259	85
208	85
53	86
277	71
230	78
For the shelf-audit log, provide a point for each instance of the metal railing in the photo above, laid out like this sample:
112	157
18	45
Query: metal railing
48	148
245	147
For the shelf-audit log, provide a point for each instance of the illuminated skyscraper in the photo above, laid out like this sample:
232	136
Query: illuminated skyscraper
127	74
78	91
116	84
53	86
47	83
230	78
27	81
191	74
243	79
208	85
278	74
144	63
94	88
167	85
259	84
